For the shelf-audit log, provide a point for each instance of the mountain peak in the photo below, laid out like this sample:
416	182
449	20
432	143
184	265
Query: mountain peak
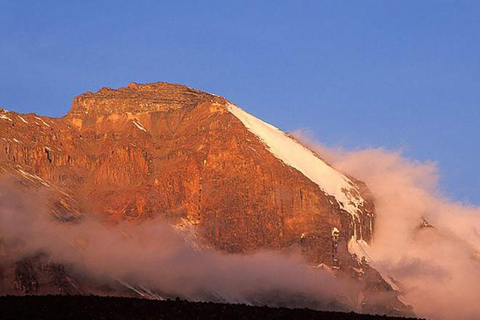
138	98
231	181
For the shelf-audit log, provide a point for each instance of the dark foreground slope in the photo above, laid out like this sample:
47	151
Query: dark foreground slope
92	307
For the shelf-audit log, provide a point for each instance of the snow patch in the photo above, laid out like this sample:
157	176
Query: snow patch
360	248
189	232
139	125
46	124
4	117
141	291
32	177
23	120
304	160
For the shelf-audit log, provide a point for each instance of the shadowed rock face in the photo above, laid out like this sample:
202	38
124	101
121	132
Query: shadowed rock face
165	149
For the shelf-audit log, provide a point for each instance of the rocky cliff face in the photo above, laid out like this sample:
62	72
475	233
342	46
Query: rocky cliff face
164	149
191	157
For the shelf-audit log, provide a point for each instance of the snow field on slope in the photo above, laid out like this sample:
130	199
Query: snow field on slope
304	160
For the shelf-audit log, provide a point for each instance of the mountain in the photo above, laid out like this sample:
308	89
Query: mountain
235	182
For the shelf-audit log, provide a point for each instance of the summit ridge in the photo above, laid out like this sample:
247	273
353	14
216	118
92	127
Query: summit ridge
136	98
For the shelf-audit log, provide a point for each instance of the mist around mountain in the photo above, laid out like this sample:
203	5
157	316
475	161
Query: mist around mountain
192	197
427	243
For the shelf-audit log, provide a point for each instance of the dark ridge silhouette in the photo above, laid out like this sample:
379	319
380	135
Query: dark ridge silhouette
94	307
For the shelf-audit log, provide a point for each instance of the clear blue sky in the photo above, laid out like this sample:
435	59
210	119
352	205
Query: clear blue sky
398	74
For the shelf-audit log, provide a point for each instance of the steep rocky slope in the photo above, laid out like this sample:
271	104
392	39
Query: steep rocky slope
197	160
